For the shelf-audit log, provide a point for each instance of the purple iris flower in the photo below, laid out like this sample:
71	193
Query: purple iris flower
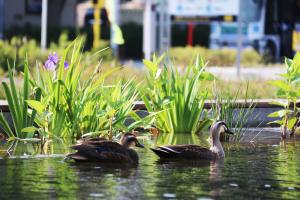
66	65
50	64
52	61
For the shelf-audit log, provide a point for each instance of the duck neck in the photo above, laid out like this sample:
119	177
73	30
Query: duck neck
126	143
216	144
217	149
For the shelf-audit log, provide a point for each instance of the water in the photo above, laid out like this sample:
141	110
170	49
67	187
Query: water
268	171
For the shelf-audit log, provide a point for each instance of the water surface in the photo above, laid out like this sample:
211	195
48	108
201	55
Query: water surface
265	171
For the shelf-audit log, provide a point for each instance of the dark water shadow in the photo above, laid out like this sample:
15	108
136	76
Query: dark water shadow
122	169
181	163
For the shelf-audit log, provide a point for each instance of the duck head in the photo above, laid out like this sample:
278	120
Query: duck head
129	140
218	128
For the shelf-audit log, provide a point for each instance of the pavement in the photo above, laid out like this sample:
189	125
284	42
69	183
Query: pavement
249	73
230	73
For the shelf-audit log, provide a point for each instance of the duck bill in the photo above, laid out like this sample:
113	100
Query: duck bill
137	144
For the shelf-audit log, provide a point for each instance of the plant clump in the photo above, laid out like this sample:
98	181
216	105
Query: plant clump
177	96
288	89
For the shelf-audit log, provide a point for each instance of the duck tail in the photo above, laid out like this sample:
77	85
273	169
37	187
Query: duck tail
77	156
160	153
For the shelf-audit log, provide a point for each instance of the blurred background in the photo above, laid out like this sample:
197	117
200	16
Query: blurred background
225	32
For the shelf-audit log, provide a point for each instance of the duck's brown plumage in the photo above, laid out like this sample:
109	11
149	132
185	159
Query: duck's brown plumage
196	152
105	151
184	152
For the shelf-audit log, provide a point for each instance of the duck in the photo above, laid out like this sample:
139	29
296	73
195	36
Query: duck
106	151
196	152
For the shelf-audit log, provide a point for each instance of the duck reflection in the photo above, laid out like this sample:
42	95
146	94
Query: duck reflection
102	169
215	177
107	180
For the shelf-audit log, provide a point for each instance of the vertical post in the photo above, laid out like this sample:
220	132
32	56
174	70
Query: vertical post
115	19
190	36
168	26
149	31
1	19
239	42
44	24
98	4
161	25
96	24
164	26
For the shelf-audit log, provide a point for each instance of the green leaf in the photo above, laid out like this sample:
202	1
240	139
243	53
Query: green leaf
288	61
5	126
279	103
296	59
291	122
280	122
151	66
36	105
29	129
281	84
280	113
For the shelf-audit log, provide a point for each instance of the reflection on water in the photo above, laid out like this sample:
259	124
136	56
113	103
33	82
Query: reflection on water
268	171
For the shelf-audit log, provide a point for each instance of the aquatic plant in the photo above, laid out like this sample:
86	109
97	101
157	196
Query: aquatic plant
115	105
177	96
73	105
288	89
23	116
235	113
59	87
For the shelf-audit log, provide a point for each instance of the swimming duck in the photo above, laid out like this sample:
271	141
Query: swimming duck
196	152
106	151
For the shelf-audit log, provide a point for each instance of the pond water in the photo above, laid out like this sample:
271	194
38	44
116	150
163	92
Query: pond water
265	171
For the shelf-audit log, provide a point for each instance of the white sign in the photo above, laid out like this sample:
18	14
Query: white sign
205	8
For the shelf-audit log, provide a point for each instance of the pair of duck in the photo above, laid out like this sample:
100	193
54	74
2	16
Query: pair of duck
102	150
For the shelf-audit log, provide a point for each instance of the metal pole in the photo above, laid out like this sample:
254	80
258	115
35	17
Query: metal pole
44	24
149	31
239	42
164	27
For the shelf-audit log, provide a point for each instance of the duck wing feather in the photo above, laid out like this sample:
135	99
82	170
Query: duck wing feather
107	151
184	151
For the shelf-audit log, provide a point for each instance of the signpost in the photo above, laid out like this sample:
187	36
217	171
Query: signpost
205	8
214	10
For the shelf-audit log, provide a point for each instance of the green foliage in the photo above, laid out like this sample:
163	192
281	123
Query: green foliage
236	114
23	116
73	105
216	57
177	96
288	89
17	48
